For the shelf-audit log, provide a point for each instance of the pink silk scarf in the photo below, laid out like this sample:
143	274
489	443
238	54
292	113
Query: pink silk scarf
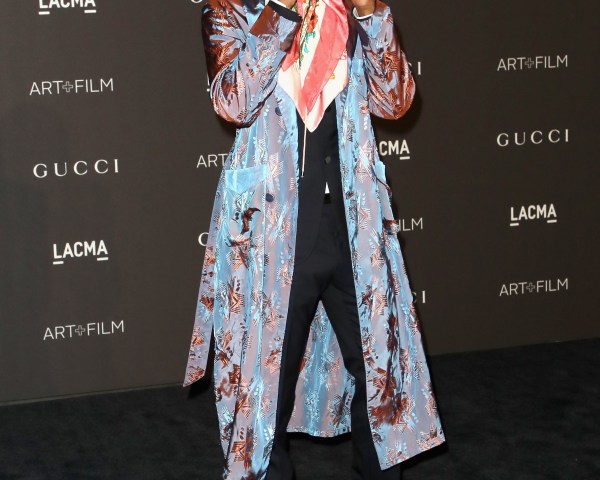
315	69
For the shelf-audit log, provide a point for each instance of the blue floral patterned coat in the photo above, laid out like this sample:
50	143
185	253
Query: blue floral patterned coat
249	259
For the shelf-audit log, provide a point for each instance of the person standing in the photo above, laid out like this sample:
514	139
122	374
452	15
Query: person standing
303	283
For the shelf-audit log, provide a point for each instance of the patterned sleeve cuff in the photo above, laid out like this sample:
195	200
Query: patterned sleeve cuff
355	15
370	27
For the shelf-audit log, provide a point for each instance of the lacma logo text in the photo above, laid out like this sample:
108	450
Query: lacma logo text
47	6
394	147
79	250
532	212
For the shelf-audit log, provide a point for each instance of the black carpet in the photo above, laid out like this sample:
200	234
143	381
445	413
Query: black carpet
520	413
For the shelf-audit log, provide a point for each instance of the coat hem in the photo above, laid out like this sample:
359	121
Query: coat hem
319	433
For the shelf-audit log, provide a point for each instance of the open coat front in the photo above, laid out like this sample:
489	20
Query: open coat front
249	259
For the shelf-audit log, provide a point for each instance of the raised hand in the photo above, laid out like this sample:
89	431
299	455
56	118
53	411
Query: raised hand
364	7
288	3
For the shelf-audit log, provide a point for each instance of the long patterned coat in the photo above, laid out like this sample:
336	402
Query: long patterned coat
249	259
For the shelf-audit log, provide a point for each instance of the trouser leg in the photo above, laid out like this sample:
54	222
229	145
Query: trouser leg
309	279
339	300
327	275
302	307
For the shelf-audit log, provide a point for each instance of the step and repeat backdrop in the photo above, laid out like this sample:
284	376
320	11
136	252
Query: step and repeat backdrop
110	153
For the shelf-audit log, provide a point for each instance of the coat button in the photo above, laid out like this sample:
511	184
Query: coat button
269	197
328	159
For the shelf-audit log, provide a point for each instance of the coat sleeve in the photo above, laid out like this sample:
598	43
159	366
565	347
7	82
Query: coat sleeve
391	86
242	67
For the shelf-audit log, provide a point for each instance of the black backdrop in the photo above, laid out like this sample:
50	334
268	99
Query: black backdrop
110	152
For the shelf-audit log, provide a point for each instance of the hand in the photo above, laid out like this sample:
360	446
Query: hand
364	7
288	3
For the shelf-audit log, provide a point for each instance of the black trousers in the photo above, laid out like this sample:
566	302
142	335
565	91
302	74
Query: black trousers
325	274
